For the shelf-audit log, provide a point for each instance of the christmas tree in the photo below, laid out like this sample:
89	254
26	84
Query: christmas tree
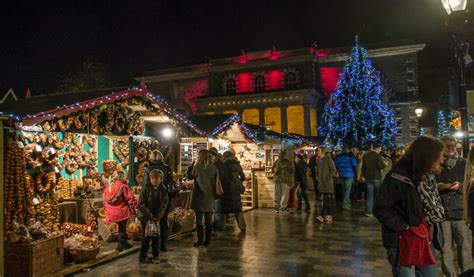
443	127
355	114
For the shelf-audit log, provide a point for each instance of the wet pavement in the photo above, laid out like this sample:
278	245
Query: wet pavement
295	244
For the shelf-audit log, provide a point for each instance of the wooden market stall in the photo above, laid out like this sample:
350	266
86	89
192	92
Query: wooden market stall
54	159
255	147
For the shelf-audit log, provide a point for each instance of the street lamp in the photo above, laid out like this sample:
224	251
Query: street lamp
457	19
454	5
419	113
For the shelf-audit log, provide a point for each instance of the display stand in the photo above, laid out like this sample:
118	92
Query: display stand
249	199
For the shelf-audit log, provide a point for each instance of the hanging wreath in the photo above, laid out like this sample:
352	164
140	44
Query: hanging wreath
94	122
78	120
120	120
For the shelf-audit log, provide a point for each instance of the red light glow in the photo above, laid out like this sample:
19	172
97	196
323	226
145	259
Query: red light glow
275	79
275	55
329	79
244	83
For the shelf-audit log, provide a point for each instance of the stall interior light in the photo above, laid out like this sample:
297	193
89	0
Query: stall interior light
167	132
459	134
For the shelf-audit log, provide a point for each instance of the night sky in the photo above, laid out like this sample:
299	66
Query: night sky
43	42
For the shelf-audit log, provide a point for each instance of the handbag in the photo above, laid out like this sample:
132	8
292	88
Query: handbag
152	229
219	190
414	246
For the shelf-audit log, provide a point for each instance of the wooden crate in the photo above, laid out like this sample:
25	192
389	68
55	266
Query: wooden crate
35	259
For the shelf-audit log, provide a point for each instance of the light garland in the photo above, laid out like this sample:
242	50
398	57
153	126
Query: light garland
141	92
355	113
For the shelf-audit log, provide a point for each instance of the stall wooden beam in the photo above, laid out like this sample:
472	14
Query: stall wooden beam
2	225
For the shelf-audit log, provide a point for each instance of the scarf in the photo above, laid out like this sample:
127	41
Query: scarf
450	162
429	196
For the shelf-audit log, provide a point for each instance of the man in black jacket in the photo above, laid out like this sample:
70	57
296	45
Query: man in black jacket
168	182
450	186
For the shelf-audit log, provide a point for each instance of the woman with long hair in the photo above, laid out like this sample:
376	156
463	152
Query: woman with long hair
408	205
204	174
232	183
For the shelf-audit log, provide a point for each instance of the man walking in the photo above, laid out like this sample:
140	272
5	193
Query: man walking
346	165
372	165
450	186
282	173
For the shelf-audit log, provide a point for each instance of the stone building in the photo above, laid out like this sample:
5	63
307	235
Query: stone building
286	90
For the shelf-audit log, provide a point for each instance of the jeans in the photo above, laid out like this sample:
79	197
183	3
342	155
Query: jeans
302	194
456	231
218	216
155	244
347	187
325	210
405	271
282	193
372	188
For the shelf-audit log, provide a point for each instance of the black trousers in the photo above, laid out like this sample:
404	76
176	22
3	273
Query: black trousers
164	230
207	219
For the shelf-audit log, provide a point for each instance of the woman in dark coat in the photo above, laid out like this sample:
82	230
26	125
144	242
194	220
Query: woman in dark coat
408	203
232	182
204	174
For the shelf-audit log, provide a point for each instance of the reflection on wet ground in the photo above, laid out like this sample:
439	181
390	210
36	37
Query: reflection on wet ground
295	244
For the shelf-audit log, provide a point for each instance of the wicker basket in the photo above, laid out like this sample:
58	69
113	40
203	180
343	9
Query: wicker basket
183	225
80	256
35	259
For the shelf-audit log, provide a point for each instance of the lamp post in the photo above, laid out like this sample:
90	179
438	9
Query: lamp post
457	19
419	114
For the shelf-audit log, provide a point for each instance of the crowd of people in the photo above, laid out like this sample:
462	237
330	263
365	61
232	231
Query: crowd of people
421	194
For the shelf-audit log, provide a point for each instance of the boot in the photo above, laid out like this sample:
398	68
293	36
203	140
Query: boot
200	235
208	236
299	207
122	242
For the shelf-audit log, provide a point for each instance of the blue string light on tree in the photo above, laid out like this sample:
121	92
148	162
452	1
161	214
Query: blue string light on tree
355	114
442	124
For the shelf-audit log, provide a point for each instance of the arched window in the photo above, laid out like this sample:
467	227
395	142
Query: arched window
290	79
259	82
230	86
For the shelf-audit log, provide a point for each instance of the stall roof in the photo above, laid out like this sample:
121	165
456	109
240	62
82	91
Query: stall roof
40	109
214	125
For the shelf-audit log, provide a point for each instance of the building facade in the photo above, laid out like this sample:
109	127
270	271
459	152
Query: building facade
285	91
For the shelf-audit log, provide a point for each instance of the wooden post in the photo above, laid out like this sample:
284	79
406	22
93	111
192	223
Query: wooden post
2	187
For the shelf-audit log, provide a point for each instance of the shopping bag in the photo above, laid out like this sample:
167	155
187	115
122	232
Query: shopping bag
152	229
219	190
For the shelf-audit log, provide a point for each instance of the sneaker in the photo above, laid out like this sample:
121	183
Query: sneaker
328	219
283	211
156	260
320	219
276	211
369	215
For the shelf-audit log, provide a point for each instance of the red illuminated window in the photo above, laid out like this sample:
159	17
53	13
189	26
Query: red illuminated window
259	82
290	80
230	86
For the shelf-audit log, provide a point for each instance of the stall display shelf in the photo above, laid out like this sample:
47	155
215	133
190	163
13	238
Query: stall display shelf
248	198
